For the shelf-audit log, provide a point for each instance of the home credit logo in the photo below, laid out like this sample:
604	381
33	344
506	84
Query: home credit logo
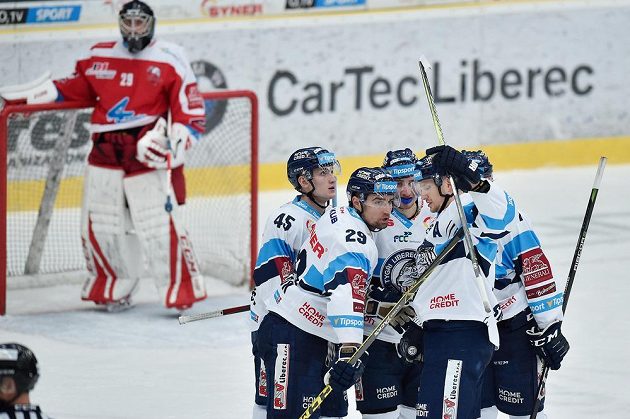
444	301
213	9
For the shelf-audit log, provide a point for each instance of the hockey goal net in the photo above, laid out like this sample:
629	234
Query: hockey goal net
44	149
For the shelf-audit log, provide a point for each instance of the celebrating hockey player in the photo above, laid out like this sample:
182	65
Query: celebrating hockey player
18	375
136	163
458	336
313	173
388	388
531	304
327	302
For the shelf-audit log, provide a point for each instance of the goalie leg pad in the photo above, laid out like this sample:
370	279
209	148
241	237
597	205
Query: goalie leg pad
111	254
169	251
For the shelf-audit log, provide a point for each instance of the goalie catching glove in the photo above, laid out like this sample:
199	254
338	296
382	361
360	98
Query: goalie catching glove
155	148
342	375
550	345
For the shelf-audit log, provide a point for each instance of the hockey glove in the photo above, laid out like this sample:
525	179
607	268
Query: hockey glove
447	160
403	319
550	345
341	376
410	346
154	147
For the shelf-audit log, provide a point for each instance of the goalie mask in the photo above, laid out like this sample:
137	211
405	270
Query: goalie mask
19	363
137	25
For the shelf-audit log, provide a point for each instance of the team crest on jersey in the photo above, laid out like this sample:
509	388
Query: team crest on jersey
154	74
101	71
399	269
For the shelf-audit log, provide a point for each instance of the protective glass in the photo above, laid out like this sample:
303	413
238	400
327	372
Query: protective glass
385	195
329	164
423	185
135	24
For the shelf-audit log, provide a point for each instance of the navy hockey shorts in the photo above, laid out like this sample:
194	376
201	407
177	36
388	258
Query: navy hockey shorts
456	353
260	375
387	381
295	365
511	379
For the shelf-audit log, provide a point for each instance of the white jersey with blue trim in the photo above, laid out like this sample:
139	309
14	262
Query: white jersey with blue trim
333	268
396	268
524	277
285	231
451	293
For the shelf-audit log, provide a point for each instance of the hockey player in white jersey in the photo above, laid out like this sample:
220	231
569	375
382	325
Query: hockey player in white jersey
458	336
313	172
531	303
327	302
18	375
388	388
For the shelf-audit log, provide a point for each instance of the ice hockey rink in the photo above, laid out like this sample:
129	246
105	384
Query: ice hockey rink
142	364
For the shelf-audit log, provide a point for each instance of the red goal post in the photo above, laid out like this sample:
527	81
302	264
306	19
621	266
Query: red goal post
43	151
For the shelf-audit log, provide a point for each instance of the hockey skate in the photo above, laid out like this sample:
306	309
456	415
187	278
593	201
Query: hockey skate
124	303
119	305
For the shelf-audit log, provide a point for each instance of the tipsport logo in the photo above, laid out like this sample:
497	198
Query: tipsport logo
346	321
548	304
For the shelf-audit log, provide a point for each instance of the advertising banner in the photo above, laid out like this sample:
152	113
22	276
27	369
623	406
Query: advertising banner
513	74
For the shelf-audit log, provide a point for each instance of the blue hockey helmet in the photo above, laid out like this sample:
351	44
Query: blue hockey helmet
370	180
19	363
303	161
484	167
425	169
137	25
400	163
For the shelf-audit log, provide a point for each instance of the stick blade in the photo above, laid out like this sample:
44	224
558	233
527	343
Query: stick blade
424	62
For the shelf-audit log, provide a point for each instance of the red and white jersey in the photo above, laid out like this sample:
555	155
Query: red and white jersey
132	90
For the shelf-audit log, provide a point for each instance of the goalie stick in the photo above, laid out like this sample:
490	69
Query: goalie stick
168	205
212	314
406	297
458	202
540	394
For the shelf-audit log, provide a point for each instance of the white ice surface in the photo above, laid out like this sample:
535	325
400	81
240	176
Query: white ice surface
142	364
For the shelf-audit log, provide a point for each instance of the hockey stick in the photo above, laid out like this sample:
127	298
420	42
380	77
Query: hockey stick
572	270
458	202
168	205
212	314
406	297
